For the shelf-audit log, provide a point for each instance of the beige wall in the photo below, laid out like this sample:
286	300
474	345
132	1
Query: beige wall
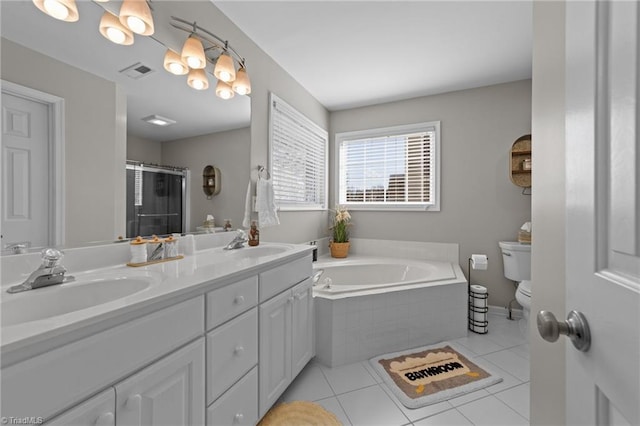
144	150
228	151
267	75
548	210
95	140
479	204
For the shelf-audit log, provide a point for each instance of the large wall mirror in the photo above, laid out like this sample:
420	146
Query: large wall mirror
102	117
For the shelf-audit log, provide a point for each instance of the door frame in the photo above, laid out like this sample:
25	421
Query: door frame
56	188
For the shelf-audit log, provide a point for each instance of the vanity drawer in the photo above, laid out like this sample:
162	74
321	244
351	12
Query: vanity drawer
283	277
232	350
239	405
232	300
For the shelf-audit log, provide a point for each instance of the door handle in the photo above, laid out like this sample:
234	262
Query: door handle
575	327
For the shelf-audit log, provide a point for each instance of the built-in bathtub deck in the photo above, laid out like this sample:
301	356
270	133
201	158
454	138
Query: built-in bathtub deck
358	324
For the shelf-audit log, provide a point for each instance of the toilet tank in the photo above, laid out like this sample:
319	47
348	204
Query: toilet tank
516	258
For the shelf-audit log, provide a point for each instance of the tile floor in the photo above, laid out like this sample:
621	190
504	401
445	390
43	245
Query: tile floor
357	396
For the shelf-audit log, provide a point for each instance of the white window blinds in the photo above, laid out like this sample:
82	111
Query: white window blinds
298	158
394	169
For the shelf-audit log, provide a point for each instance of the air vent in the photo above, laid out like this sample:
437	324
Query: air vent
137	71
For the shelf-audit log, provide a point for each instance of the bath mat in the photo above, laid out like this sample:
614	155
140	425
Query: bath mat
299	413
430	374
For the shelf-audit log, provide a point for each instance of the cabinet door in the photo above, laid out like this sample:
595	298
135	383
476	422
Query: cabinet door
168	392
302	326
275	349
97	411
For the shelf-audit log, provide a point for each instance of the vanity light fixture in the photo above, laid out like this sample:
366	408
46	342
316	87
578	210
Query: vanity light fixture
224	69
241	84
197	79
136	15
224	90
203	47
113	30
159	120
64	10
174	63
193	53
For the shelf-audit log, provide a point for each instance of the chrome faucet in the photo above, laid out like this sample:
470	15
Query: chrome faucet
49	273
238	241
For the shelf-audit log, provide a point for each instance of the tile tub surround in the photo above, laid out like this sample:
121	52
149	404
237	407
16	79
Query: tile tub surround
351	329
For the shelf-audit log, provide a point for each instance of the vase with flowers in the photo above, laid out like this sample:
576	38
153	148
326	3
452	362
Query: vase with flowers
339	244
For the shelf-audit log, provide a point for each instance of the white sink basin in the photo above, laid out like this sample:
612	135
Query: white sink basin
86	292
259	251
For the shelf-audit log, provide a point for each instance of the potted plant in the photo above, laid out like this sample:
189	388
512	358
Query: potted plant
340	240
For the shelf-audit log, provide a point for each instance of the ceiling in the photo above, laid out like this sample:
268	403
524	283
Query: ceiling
81	45
355	53
345	53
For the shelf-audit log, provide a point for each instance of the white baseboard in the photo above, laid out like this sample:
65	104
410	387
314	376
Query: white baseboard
504	312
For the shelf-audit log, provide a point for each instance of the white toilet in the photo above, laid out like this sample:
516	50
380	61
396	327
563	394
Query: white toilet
516	258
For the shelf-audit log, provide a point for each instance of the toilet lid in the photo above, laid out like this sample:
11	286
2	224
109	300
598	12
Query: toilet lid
525	288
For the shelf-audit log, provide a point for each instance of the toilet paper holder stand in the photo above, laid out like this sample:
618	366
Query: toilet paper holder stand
477	309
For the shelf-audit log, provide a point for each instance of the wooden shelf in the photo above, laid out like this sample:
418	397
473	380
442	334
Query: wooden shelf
520	151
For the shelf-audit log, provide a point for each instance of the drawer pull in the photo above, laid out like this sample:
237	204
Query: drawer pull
239	300
290	299
134	402
238	350
299	296
105	419
238	418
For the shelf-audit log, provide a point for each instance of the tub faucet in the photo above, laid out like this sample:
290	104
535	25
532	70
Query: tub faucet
316	276
49	273
238	241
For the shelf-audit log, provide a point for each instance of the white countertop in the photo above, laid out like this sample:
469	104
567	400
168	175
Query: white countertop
179	280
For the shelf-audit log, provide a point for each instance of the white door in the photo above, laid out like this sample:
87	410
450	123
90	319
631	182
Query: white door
25	172
603	210
169	392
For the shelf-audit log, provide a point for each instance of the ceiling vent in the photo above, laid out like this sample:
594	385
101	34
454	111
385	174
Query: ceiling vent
137	71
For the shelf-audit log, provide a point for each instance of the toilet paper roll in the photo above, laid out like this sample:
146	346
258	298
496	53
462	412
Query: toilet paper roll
479	262
479	303
479	289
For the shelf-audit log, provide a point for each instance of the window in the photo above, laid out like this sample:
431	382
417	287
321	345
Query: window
298	158
394	168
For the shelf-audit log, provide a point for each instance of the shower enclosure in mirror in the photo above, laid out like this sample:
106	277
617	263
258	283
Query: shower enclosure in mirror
156	199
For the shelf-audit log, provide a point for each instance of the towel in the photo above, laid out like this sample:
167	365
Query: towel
246	222
265	204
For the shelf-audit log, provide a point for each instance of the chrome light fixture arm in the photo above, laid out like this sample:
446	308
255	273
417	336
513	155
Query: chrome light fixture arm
216	42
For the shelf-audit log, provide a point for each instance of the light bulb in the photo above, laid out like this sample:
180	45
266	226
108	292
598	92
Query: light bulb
176	68
64	10
136	24
241	84
56	9
116	35
113	30
224	69
174	63
136	16
193	53
197	79
223	90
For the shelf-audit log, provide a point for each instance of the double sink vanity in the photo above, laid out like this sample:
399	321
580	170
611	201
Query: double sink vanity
214	338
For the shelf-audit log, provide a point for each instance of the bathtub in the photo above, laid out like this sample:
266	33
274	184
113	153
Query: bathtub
367	275
370	305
